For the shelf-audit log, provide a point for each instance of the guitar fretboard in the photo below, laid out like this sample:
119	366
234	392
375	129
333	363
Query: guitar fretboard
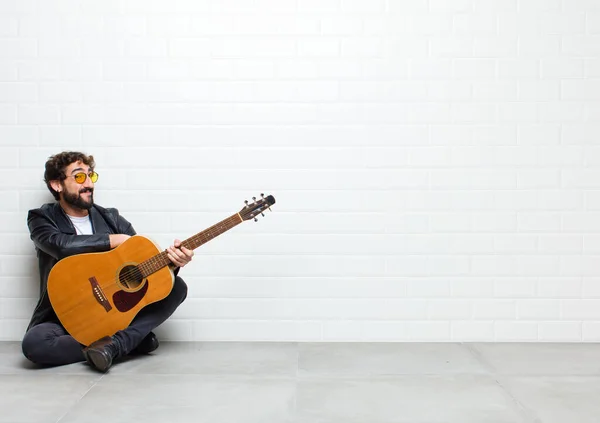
157	262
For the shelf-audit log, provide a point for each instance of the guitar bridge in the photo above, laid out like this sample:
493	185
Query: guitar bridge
99	294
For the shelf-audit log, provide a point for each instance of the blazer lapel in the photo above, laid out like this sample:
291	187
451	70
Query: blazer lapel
62	220
99	225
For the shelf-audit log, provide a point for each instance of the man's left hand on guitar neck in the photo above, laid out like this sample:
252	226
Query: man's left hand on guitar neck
179	255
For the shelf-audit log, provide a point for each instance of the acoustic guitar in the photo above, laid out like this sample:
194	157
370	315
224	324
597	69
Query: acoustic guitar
97	294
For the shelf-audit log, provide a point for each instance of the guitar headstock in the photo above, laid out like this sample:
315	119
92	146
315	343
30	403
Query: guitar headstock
251	210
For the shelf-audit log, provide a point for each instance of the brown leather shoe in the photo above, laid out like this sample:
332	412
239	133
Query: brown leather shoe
101	353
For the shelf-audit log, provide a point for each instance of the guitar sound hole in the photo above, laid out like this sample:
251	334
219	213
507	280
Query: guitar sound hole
130	277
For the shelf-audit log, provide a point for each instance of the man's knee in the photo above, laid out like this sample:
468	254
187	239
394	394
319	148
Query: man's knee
32	346
48	344
180	289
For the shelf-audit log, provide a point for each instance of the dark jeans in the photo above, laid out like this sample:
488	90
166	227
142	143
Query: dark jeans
49	344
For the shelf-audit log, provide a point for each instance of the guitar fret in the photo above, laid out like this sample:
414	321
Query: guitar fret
161	260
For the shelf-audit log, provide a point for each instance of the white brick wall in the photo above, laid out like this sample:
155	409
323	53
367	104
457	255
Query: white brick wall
435	162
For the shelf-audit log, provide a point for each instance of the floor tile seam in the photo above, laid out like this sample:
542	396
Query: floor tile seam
480	357
301	376
47	373
206	376
69	409
528	414
400	376
546	376
215	376
523	411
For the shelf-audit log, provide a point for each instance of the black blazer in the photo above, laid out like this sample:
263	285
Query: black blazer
54	237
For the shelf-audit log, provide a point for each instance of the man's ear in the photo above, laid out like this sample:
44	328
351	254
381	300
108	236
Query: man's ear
56	185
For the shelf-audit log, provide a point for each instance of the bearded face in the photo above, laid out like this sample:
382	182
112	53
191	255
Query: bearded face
81	199
76	188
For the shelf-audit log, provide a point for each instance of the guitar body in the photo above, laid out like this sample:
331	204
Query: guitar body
97	294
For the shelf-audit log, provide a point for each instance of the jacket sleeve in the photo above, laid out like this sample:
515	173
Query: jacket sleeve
47	237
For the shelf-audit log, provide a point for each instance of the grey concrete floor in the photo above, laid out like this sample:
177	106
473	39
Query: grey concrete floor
312	382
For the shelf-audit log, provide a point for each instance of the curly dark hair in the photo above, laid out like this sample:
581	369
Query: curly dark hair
56	165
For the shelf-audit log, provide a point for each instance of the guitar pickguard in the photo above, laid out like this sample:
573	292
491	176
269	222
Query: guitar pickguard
125	301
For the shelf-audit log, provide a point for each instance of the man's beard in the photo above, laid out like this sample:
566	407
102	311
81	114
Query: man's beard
77	201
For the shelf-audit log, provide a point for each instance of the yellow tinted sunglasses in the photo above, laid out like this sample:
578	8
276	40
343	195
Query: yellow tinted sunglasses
81	177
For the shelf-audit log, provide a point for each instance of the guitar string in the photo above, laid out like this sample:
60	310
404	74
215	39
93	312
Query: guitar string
157	259
161	258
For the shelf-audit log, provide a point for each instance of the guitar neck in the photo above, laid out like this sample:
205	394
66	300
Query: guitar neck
157	262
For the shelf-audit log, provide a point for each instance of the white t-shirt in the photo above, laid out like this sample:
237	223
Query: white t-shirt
83	225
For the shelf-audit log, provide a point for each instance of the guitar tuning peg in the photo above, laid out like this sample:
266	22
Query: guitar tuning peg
255	219
246	201
254	198
262	214
262	195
